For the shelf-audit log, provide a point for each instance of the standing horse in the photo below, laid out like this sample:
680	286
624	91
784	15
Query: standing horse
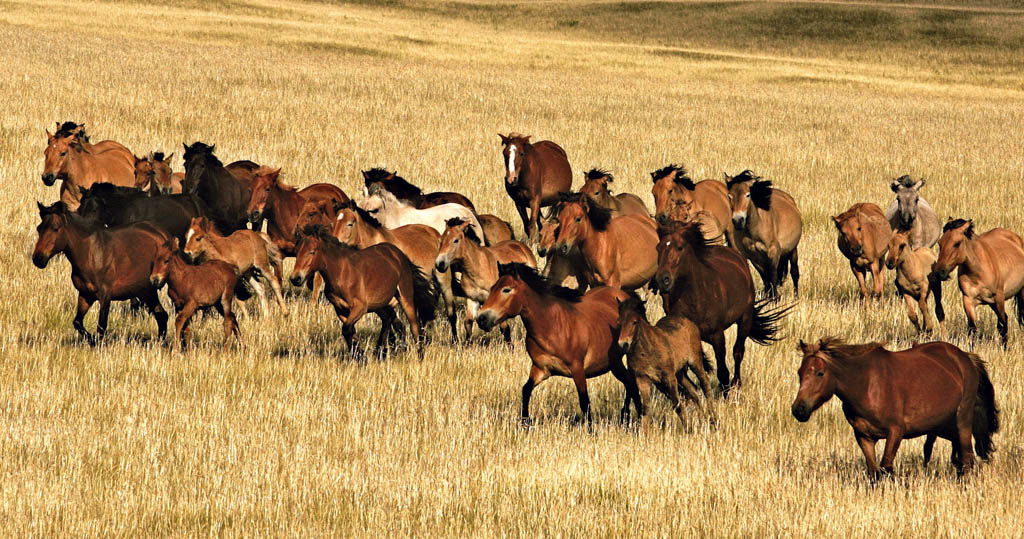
107	264
595	186
567	333
358	281
70	158
864	235
767	227
394	213
711	285
225	195
461	250
282	204
620	251
153	174
914	279
912	212
535	173
675	192
378	178
990	270
932	389
115	206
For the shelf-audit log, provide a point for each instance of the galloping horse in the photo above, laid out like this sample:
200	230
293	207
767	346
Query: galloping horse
675	192
864	235
711	285
767	227
535	173
567	333
990	270
393	213
116	206
107	264
282	204
932	389
595	186
914	279
620	251
378	178
224	194
153	174
70	158
912	212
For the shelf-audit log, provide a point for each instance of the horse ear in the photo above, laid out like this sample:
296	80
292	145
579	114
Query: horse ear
919	184
42	209
49	135
895	186
138	159
274	174
168	159
366	174
836	220
185	146
803	346
504	139
174	243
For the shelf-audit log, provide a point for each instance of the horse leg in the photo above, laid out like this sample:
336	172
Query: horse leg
101	325
672	392
318	286
471	311
643	392
180	322
877	283
629	382
84	304
794	271
506	332
911	311
275	285
260	292
356	310
738	349
1002	321
536	377
867	446
965	430
444	285
922	304
892	444
387	318
405	299
860	275
230	323
705	386
935	285
717	342
534	234
579	377
152	301
929	442
521	208
972	318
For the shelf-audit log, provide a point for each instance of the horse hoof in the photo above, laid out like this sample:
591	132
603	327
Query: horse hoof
526	423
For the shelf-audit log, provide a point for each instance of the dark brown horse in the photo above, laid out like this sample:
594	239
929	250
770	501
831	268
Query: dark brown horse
933	389
378	178
115	206
282	204
711	285
567	333
535	173
225	195
107	264
674	193
595	186
359	281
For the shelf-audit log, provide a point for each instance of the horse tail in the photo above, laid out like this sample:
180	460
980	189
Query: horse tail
1018	300
765	326
273	255
708	367
424	296
986	414
243	288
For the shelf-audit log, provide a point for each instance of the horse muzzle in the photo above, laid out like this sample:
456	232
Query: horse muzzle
40	260
542	252
255	216
941	273
49	179
564	249
856	251
890	263
739	221
661	218
487	320
441	265
801	412
664	282
297	279
157	282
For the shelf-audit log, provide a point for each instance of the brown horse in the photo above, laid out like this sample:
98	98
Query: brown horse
365	280
620	251
282	203
864	235
567	333
244	250
767	227
914	279
932	389
153	174
211	283
496	229
378	178
107	264
69	157
560	266
356	227
675	192
595	186
661	355
990	270
710	226
462	251
535	173
711	285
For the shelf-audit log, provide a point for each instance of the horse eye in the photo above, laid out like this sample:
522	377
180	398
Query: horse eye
578	219
506	290
350	225
820	374
456	240
62	154
747	195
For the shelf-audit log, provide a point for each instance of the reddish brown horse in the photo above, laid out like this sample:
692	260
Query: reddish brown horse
711	285
560	266
153	173
675	192
567	334
864	235
990	270
535	173
595	186
70	157
281	204
932	389
359	281
378	178
107	264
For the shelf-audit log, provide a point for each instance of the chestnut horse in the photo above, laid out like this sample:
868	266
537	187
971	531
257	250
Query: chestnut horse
864	235
461	250
107	264
560	266
153	174
567	333
767	227
933	389
70	157
595	186
496	229
403	190
619	251
711	285
675	192
990	270
282	204
914	279
365	280
535	173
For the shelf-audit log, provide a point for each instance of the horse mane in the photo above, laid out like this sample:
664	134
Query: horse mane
203	150
155	156
840	355
393	183
635	304
761	194
107	190
598	173
515	135
598	216
67	129
745	176
366	216
691	235
323	234
682	178
538	283
468	231
957	223
905	181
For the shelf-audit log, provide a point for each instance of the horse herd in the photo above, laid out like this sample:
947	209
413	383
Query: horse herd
130	226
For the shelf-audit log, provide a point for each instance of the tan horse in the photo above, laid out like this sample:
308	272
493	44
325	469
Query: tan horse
675	192
913	277
864	235
595	186
620	251
558	267
69	157
990	269
463	251
153	173
496	229
767	227
245	250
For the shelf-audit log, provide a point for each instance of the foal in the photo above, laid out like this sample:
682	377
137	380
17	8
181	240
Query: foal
913	277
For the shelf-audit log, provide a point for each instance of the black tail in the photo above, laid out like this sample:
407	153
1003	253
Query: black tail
424	296
1019	302
986	414
243	287
765	328
935	285
708	367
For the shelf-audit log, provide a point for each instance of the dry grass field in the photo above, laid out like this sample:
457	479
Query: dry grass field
284	436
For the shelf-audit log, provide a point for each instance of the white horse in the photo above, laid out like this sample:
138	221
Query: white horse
393	213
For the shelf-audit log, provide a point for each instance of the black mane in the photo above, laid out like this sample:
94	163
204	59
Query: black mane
957	223
691	235
201	150
633	304
468	231
598	173
366	216
109	190
905	181
156	156
66	130
323	234
598	216
761	194
745	176
538	282
394	184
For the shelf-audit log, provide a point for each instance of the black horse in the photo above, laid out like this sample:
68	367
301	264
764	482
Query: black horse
113	205
225	195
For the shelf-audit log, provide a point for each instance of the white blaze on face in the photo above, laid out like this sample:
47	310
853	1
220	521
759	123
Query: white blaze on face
189	235
511	159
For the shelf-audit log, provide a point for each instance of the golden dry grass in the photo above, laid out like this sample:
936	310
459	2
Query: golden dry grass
280	438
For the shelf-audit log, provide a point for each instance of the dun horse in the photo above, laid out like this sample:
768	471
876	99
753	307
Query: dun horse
990	270
535	173
596	186
282	204
932	389
914	279
70	157
767	226
910	211
676	196
863	239
153	174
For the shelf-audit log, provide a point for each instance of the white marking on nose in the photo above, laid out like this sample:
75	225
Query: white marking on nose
189	235
511	159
